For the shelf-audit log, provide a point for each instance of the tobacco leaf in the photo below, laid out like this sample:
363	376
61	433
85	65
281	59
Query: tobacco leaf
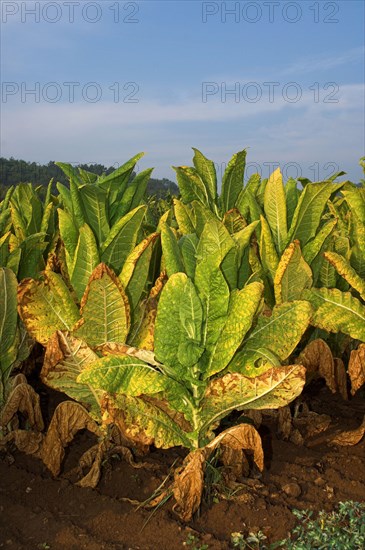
114	348
244	436
26	441
351	437
318	360
67	420
25	400
356	368
188	484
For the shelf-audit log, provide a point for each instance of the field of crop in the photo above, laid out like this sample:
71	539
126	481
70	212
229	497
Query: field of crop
165	362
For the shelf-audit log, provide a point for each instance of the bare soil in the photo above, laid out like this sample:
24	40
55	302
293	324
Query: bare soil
39	512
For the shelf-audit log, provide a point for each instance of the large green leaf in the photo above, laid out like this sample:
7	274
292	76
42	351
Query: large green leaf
32	262
65	358
275	208
273	337
69	235
243	306
268	253
29	206
94	200
215	243
343	267
8	316
314	246
104	309
292	276
188	245
206	170
171	252
292	196
191	185
308	212
122	239
151	421
184	217
134	275
46	306
178	329
134	193
124	374
337	311
85	260
273	389
232	180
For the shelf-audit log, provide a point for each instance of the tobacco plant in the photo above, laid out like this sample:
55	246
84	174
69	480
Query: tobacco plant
178	394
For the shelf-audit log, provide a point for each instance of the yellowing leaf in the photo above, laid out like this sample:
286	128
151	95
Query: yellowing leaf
274	388
46	306
242	308
134	274
104	309
276	336
337	311
65	358
344	268
292	276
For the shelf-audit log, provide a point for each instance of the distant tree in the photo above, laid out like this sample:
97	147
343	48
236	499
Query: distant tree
14	171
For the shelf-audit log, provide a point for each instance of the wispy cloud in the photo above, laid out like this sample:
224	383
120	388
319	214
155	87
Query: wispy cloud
324	62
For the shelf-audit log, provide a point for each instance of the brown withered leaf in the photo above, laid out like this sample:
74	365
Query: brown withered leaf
318	360
67	420
235	462
351	437
341	378
188	484
25	400
26	441
242	437
356	368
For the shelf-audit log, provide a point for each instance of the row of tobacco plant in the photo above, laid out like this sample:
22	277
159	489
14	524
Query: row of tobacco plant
159	329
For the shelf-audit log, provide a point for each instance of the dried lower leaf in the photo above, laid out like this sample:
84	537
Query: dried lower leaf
318	360
352	437
235	462
26	441
188	484
25	400
67	420
356	368
244	437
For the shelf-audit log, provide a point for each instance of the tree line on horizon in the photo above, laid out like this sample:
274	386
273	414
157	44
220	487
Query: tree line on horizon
14	171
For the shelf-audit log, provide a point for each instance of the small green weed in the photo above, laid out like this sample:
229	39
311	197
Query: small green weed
194	542
343	529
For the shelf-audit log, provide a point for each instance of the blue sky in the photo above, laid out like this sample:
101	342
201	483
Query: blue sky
112	78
